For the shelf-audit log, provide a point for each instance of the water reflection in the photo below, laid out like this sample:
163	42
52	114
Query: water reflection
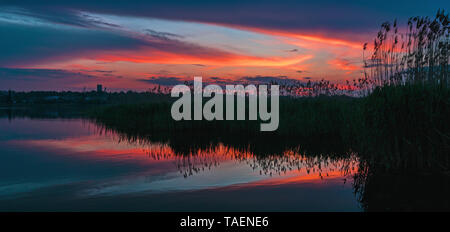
195	158
403	182
289	161
79	161
75	164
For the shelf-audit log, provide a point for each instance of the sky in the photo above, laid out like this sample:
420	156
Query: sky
135	45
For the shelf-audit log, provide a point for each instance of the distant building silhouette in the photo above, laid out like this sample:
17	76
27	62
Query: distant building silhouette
10	97
99	88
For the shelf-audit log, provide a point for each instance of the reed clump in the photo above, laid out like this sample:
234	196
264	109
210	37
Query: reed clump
408	107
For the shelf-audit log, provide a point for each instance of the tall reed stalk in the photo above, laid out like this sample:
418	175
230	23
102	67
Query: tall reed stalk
419	54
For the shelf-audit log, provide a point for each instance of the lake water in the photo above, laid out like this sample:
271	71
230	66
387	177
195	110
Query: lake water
72	165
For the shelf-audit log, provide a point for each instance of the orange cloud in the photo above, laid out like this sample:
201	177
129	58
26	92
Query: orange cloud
223	59
343	64
313	37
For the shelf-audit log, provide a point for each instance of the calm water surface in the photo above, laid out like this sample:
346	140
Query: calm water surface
56	164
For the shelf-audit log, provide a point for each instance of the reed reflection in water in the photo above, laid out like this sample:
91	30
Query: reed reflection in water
54	164
206	158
